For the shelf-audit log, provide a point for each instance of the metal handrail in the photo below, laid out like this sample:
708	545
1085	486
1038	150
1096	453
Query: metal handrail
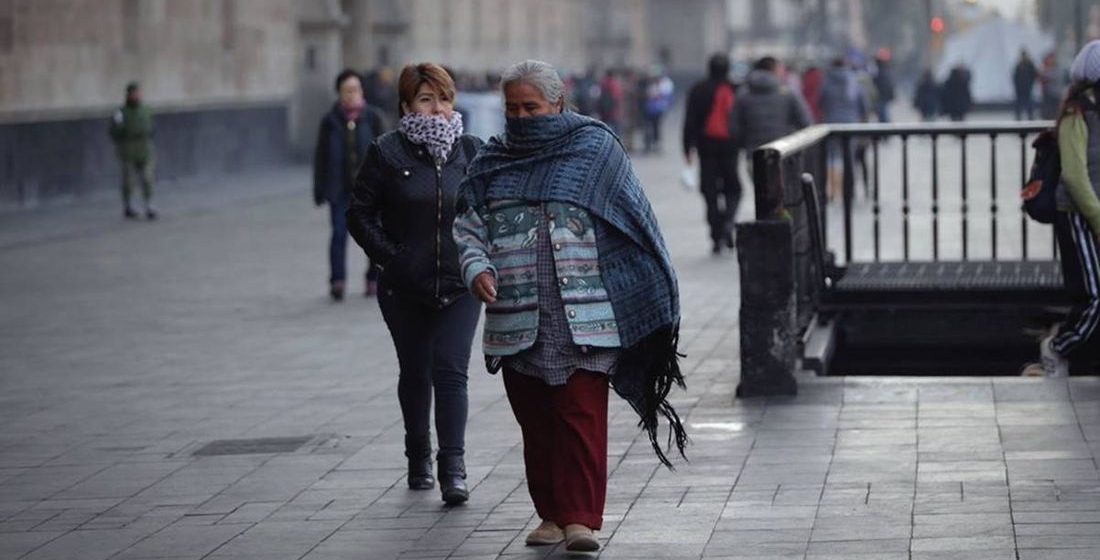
788	171
941	128
767	158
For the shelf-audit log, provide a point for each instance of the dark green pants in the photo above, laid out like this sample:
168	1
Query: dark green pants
143	170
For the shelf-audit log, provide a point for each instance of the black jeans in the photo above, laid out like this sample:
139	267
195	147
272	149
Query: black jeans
652	132
433	351
721	188
338	244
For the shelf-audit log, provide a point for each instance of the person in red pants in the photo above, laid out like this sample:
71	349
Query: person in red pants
566	426
580	295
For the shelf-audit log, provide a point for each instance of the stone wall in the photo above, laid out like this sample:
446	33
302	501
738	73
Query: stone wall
63	160
211	69
67	57
219	75
467	35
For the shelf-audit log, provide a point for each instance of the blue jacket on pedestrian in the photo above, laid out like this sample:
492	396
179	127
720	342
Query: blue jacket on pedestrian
334	161
842	99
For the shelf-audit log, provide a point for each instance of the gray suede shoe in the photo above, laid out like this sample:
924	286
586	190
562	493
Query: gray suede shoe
579	538
547	532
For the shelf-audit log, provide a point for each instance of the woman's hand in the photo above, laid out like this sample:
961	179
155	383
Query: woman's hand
485	287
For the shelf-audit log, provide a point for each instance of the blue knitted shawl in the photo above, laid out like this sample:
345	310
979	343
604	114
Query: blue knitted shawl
577	160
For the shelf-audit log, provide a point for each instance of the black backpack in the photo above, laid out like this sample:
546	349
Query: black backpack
1038	193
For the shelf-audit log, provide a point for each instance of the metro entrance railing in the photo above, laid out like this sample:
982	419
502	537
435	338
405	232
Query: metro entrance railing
937	223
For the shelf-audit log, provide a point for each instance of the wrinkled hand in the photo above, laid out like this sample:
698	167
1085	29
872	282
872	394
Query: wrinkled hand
485	287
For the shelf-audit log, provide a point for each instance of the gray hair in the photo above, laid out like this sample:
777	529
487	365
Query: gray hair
538	74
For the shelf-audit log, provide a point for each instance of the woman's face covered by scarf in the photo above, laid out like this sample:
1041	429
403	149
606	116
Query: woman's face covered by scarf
523	100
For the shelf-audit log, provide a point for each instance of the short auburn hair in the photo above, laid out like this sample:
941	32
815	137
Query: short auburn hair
415	75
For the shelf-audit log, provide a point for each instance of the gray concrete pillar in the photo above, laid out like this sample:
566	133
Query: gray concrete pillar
769	345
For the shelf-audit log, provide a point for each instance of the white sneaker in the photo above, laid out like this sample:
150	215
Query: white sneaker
1054	364
1034	369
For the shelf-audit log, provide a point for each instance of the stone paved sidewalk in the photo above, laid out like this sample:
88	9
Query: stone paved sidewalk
127	347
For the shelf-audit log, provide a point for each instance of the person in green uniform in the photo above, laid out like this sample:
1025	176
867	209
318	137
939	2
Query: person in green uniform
132	133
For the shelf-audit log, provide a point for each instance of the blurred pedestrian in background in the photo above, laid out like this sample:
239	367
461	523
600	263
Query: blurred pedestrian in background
132	132
956	100
402	211
560	242
612	102
1052	83
766	109
926	96
584	90
1023	80
812	81
707	133
884	83
873	104
632	111
345	132
381	92
659	90
843	101
1078	225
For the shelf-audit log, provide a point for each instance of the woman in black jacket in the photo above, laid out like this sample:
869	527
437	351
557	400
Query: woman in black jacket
402	209
341	143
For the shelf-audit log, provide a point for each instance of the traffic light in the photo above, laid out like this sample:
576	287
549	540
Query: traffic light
938	27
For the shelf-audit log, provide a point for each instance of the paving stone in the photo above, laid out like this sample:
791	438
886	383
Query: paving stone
15	545
276	539
865	547
858	556
1058	541
188	540
1005	554
850	528
86	545
1059	554
1049	529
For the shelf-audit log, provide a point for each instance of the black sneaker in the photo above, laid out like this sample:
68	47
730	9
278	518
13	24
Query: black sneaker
716	248
150	214
129	214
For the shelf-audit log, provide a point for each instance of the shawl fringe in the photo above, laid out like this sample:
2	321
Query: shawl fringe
650	368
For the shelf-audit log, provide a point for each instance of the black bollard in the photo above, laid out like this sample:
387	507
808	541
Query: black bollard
769	344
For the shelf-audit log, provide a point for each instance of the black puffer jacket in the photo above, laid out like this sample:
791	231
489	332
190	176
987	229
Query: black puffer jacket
401	212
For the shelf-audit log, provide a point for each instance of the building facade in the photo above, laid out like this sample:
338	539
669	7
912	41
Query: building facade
236	83
214	70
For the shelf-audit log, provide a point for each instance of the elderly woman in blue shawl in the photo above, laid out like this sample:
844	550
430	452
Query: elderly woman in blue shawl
556	236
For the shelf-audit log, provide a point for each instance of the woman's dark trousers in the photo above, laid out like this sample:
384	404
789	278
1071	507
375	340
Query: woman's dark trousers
338	244
433	351
721	186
